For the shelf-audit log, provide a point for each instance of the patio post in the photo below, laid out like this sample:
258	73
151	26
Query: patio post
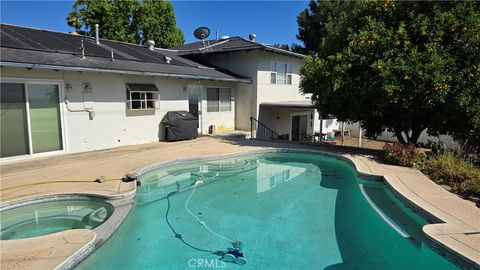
359	135
343	131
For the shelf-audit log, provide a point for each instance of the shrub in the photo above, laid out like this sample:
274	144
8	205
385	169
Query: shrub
448	169
401	154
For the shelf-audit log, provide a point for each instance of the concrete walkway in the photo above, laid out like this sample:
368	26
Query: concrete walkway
76	174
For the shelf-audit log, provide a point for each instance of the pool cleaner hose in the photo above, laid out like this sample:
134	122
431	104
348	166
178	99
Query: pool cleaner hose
197	183
234	255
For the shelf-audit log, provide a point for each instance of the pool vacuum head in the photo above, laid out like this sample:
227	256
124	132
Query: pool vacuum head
235	254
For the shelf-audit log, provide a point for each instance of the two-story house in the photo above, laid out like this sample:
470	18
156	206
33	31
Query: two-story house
67	93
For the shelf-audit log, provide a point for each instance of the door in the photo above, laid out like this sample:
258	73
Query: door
14	126
194	103
295	127
30	119
299	127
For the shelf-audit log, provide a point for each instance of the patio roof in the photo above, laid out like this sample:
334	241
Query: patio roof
297	104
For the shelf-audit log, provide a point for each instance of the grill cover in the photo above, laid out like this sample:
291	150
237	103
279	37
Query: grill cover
180	125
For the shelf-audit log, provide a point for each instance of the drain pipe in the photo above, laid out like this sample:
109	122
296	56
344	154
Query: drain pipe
97	39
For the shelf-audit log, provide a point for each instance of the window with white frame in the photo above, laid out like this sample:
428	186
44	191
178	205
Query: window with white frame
219	99
281	73
141	96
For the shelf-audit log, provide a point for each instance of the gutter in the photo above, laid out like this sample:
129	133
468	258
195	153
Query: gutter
128	72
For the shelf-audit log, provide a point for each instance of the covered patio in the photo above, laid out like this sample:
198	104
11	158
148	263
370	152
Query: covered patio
291	120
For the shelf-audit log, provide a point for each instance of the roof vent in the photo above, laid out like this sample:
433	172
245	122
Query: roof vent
167	59
151	45
252	37
97	39
224	37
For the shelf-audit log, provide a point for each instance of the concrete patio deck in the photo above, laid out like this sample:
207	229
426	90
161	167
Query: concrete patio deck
76	173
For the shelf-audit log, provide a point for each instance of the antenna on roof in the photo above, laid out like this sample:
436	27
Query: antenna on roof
202	33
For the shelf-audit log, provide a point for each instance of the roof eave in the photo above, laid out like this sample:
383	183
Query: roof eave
117	71
284	52
264	48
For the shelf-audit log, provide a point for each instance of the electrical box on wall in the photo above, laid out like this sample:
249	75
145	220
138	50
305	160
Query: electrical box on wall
87	95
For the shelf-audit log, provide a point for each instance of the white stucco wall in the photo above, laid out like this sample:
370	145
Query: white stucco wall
255	65
114	125
245	65
267	92
223	121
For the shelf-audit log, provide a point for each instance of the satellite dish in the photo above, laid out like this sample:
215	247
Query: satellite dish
201	32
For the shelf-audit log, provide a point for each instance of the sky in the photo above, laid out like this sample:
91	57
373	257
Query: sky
272	21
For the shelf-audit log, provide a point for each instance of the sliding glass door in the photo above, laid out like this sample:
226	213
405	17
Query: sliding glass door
14	128
30	119
45	123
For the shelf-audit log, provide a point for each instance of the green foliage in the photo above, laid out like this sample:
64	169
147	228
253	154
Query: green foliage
282	46
397	65
157	22
402	154
448	169
130	21
293	48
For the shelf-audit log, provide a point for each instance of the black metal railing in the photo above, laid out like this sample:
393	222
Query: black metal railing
260	131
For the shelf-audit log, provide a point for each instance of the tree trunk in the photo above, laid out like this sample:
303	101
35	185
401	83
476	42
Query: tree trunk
415	135
412	139
399	135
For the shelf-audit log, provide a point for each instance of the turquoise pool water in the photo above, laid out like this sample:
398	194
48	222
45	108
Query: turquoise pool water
290	210
50	217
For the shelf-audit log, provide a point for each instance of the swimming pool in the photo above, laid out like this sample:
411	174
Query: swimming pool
291	210
37	217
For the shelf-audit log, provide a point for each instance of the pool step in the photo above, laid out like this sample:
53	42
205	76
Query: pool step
393	213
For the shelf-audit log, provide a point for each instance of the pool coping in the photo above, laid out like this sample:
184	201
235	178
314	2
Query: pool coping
434	233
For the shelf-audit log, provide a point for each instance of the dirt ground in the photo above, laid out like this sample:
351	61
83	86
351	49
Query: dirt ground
366	143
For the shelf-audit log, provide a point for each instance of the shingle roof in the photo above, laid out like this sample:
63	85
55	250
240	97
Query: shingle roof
28	47
228	45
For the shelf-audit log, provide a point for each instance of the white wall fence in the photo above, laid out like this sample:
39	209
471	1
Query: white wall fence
447	140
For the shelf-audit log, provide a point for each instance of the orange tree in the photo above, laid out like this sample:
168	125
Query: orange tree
402	66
